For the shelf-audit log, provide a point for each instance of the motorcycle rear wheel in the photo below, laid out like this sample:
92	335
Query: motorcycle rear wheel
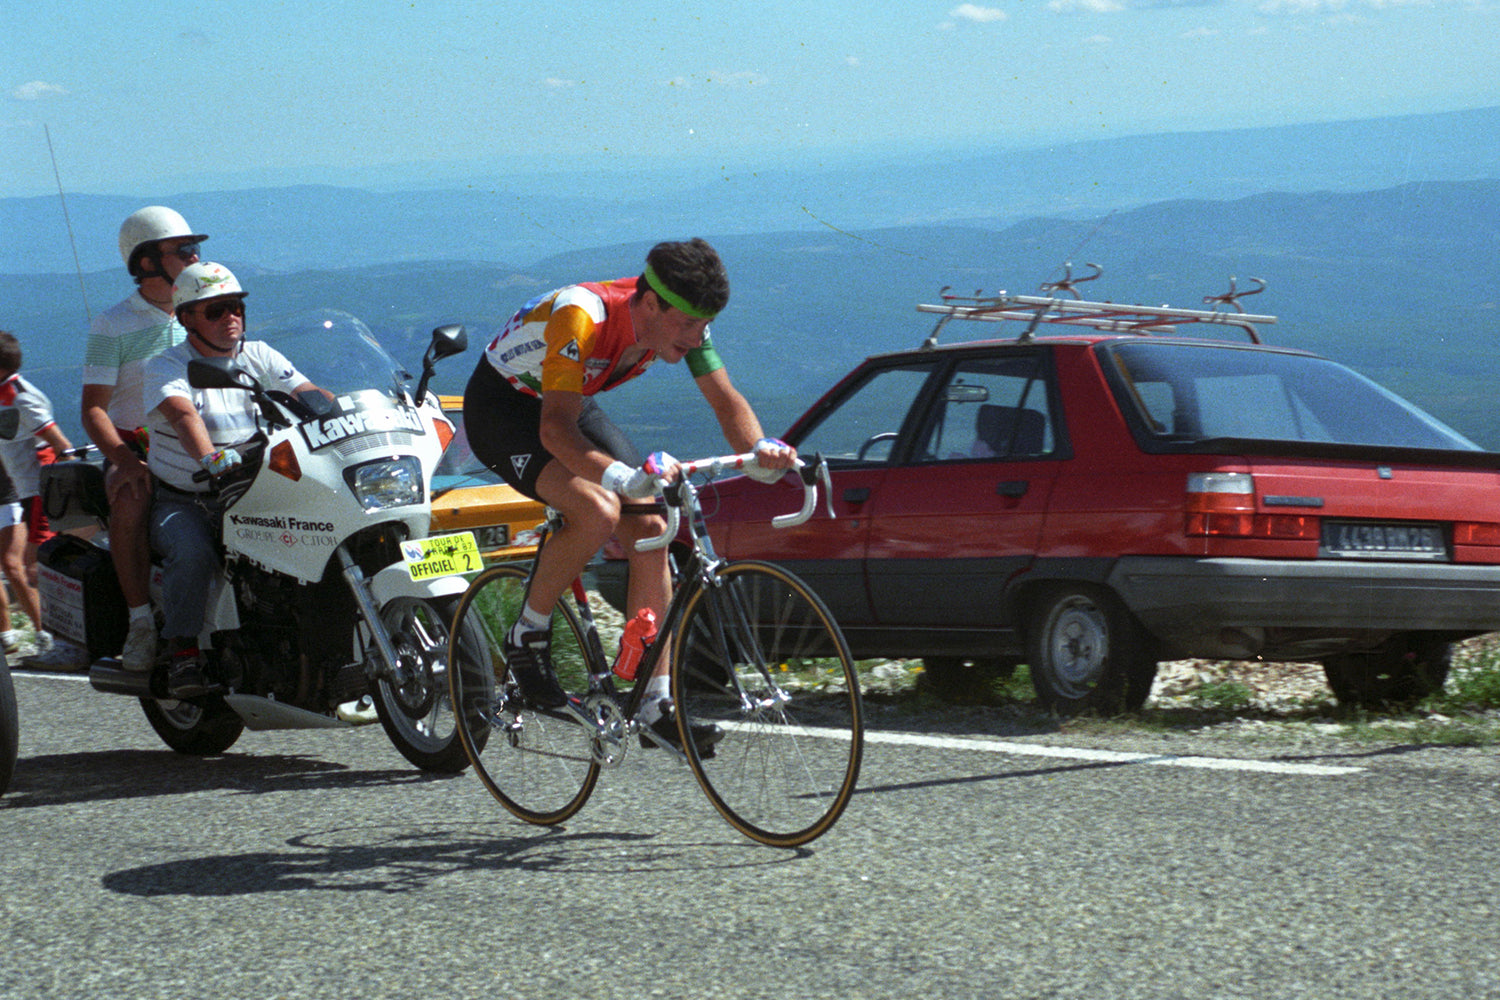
203	727
416	710
8	723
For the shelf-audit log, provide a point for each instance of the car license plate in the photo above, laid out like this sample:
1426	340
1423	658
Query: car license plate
441	555
1383	540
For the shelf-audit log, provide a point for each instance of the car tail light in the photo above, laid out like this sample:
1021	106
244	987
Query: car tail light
1222	505
1476	533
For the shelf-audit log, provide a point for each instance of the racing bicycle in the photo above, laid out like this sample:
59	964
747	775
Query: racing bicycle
753	651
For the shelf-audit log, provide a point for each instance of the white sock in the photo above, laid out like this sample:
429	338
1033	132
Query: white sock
530	621
140	611
658	692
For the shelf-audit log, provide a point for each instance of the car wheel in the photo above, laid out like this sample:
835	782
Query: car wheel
1402	671
1088	652
964	681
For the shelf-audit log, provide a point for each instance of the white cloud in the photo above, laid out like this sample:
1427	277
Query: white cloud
977	14
851	60
1200	33
557	83
1086	6
37	90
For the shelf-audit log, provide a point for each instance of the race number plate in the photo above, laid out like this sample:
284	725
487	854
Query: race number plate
441	555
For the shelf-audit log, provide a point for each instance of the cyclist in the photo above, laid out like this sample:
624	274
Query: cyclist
530	415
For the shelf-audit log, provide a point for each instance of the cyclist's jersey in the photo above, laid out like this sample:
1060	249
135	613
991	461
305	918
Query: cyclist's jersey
571	339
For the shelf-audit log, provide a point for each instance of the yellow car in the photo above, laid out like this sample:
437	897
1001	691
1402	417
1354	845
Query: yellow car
467	496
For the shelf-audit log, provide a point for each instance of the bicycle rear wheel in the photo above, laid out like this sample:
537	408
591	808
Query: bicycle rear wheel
758	655
538	764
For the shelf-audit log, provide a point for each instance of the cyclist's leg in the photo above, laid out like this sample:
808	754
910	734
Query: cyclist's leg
761	657
538	764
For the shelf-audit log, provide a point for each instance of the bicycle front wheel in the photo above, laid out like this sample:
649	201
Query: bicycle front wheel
758	655
538	764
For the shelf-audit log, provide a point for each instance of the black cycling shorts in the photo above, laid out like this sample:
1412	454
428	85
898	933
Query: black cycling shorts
504	424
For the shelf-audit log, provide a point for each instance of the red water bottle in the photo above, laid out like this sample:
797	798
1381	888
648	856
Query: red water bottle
638	631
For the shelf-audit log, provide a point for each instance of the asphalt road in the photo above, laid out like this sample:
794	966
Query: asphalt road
975	865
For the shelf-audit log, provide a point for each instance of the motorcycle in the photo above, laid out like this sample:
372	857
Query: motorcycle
8	722
328	594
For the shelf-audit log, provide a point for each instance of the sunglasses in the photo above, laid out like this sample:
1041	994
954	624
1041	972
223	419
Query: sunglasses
186	251
214	311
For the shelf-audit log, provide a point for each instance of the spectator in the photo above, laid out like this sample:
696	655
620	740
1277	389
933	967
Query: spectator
38	442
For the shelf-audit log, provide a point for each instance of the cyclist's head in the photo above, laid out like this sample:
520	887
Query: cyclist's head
687	276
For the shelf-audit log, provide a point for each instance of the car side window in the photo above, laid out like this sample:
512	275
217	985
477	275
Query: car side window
866	423
991	408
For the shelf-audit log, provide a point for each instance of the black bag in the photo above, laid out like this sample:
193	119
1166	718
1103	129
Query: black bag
73	495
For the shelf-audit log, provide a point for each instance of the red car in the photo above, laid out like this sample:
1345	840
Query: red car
1115	493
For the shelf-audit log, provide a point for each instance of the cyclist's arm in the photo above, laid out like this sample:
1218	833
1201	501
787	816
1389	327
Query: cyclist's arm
736	417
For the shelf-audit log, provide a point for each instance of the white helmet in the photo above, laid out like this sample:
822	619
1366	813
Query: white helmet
204	281
152	223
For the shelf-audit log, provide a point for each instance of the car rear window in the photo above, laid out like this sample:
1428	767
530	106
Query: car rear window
1182	393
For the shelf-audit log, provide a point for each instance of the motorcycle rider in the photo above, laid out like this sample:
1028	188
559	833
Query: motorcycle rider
193	429
156	243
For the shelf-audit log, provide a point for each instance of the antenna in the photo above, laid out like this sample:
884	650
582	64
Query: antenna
69	223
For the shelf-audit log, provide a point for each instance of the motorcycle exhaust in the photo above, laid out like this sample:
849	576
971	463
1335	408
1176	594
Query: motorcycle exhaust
263	713
106	675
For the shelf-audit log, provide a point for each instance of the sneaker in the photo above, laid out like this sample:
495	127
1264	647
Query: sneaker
663	732
43	642
140	646
185	677
530	664
10	641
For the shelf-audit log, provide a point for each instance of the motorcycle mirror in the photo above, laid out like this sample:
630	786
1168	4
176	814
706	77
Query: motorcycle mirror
219	373
446	341
10	423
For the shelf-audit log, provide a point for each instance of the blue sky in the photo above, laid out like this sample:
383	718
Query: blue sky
152	98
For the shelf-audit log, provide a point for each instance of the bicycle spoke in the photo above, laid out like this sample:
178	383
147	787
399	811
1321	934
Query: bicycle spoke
538	765
760	657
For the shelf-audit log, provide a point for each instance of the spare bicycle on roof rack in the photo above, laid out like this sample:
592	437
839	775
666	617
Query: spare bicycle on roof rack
1103	486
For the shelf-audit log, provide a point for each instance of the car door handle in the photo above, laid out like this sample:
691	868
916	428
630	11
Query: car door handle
1013	488
856	494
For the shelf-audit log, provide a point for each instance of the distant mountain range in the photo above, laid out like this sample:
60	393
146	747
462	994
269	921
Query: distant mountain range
522	218
1398	280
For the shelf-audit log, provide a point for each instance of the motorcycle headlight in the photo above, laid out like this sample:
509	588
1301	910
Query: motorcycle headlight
390	482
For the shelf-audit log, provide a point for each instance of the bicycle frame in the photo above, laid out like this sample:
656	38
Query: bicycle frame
600	708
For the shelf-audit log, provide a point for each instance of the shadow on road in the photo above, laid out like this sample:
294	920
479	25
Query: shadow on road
96	776
394	859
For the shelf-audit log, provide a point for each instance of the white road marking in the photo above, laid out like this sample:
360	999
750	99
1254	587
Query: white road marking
1110	756
1042	750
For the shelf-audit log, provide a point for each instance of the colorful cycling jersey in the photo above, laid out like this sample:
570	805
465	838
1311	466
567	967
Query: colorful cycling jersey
572	338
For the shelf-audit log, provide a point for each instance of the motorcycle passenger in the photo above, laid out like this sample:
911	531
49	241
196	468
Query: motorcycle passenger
530	416
156	243
192	429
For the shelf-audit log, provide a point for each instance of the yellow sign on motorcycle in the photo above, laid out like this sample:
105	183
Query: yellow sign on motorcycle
442	555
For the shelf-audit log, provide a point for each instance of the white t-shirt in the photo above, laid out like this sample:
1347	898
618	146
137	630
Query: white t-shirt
19	453
121	340
228	414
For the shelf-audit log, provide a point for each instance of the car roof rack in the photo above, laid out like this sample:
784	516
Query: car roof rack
1067	308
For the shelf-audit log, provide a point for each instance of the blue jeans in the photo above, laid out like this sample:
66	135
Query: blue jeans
185	530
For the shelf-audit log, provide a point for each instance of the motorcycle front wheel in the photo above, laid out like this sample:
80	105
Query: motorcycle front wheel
415	707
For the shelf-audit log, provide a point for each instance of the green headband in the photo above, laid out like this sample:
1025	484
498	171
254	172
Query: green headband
671	298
